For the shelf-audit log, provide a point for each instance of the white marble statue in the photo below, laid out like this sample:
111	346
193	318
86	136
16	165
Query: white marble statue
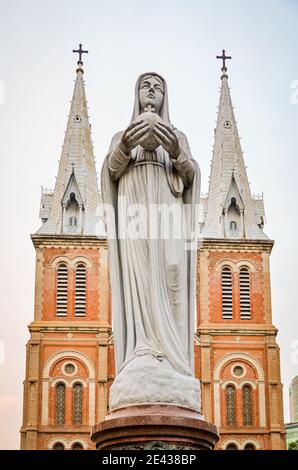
153	279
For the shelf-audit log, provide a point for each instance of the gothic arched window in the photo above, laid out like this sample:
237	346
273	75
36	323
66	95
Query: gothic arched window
233	225
60	403
247	405
61	296
77	403
227	293
80	294
245	304
58	446
230	405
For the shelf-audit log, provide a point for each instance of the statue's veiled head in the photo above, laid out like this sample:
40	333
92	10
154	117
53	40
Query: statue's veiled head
151	89
151	92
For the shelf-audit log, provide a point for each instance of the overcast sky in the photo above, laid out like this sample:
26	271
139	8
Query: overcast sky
179	39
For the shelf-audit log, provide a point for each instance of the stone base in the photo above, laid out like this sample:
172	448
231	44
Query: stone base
154	427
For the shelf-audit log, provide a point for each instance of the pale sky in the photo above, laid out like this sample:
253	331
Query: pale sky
178	39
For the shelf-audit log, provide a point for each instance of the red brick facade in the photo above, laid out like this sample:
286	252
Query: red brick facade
87	343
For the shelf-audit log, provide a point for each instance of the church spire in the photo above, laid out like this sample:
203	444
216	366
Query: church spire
232	212
71	208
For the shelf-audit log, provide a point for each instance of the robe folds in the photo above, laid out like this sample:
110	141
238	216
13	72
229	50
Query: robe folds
153	279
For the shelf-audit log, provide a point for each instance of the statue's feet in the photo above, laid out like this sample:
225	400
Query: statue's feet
147	379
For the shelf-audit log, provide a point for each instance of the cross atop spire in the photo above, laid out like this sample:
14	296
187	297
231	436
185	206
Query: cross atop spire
80	51
223	57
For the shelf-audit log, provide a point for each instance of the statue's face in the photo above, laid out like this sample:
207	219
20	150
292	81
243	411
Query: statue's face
151	92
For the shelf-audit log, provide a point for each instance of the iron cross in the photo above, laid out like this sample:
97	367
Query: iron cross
80	51
223	57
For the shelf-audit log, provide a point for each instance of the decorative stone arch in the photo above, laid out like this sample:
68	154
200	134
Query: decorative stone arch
71	354
251	441
244	263
260	381
57	380
229	382
67	354
59	259
78	381
57	440
225	443
81	259
79	440
247	382
225	263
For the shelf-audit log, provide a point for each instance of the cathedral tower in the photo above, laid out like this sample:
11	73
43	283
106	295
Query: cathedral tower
65	389
237	354
70	359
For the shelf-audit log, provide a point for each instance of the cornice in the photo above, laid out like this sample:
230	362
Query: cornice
237	329
237	245
67	240
69	326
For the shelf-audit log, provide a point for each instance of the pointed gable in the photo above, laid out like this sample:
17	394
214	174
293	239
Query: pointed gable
77	154
228	174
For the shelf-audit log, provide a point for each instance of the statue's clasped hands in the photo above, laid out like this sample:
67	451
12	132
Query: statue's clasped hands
134	135
138	131
168	139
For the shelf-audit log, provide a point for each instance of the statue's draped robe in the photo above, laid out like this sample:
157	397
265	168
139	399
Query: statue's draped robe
153	279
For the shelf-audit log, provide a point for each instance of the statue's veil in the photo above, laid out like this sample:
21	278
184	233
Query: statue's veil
164	110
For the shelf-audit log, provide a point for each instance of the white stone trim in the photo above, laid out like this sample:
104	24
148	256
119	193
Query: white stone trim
251	441
73	364
71	263
216	403
45	403
59	259
79	440
260	372
247	382
229	382
91	403
78	380
46	379
225	262
68	354
59	379
238	356
235	266
81	259
262	406
225	444
246	264
56	440
239	365
67	443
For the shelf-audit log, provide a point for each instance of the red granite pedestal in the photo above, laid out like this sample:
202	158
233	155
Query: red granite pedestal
153	427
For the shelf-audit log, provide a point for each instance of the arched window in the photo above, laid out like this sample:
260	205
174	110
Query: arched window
60	403
77	446
77	403
233	225
227	293
62	283
58	446
244	280
230	405
247	405
80	300
249	446
231	447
